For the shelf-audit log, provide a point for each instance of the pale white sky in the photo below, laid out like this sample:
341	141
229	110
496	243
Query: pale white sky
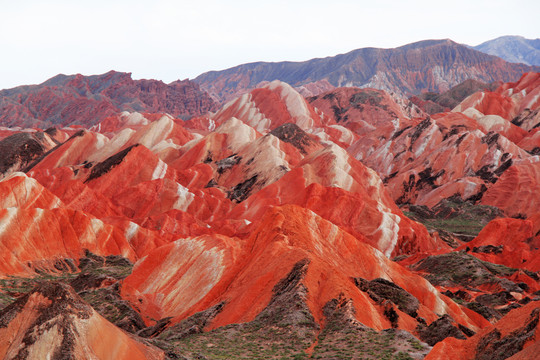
170	40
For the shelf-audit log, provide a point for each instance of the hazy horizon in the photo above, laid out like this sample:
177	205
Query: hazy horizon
170	40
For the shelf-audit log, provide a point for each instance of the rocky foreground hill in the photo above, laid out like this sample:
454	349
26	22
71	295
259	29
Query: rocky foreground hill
343	226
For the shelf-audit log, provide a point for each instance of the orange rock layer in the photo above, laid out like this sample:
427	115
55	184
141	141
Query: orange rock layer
220	209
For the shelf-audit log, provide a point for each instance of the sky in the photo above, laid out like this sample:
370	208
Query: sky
170	40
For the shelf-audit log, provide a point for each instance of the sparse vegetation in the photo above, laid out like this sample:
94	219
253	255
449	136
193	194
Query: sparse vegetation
12	287
95	270
454	218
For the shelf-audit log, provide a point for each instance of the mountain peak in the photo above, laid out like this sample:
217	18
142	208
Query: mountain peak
513	48
427	43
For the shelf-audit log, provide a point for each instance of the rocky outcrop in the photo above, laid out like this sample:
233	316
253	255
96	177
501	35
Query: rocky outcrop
207	271
52	321
516	201
514	336
363	110
461	153
382	289
439	330
509	242
515	102
22	149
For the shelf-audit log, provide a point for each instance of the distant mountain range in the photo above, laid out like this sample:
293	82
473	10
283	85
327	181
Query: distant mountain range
430	65
86	100
515	49
419	69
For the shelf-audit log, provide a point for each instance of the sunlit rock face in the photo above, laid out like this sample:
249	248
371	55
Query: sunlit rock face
274	207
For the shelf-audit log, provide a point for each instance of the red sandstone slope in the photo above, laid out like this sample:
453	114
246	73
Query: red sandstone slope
276	104
271	199
364	110
193	274
21	191
240	163
37	238
433	103
425	160
343	191
517	102
516	191
86	100
514	337
509	242
21	149
53	321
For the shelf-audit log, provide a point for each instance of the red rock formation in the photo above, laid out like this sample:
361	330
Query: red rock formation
196	273
30	235
365	208
53	320
368	108
515	192
516	102
508	242
314	88
276	104
436	158
434	103
514	337
74	193
270	196
21	149
87	100
20	191
269	107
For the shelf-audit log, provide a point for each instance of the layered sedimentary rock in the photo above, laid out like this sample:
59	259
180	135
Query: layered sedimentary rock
52	322
517	102
508	242
516	190
364	110
425	159
273	219
86	100
205	271
514	337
